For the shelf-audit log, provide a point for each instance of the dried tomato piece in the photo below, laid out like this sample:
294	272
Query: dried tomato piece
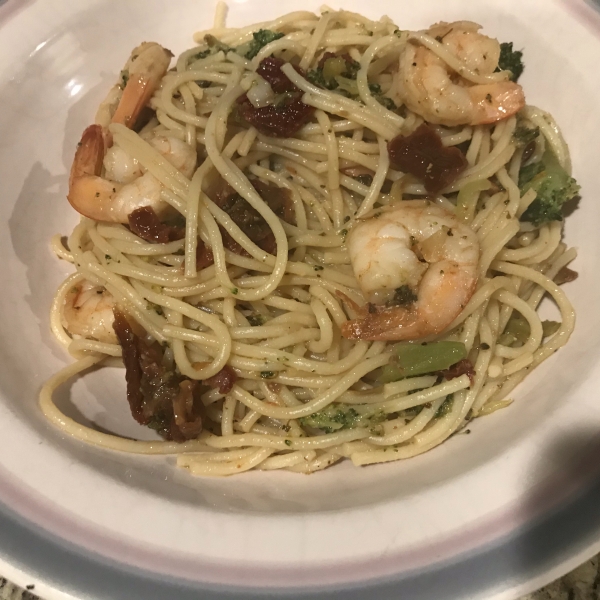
278	199
285	118
423	155
249	220
270	70
204	255
565	275
158	397
144	222
133	369
223	380
276	121
246	218
462	367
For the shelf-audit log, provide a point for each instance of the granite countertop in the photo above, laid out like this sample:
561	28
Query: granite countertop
581	584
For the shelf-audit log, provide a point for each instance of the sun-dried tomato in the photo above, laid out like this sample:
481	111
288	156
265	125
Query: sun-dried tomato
423	155
160	397
462	367
144	222
286	117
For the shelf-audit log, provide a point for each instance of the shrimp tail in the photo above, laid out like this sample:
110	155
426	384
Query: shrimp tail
495	101
136	95
149	64
90	153
383	325
89	194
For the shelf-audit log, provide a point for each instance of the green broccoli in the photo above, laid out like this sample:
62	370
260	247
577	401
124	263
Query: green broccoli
510	60
340	416
553	185
262	37
524	135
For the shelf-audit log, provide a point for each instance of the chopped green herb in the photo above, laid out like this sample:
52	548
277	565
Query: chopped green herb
216	45
318	268
234	291
261	38
375	89
267	374
510	60
256	320
445	407
202	54
403	296
288	442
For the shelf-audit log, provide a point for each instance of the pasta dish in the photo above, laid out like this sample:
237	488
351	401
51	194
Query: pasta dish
314	238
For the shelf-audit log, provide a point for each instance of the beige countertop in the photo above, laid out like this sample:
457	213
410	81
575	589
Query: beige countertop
581	584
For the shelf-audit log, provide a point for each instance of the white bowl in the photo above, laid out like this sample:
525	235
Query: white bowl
489	515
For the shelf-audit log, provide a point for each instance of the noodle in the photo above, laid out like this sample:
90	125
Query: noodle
304	396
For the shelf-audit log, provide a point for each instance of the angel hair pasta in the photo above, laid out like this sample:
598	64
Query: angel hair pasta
314	238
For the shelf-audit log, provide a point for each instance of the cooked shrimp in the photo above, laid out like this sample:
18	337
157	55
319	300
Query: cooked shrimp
417	268
104	199
140	77
124	186
88	312
429	88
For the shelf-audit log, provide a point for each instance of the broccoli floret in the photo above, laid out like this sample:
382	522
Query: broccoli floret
262	37
553	185
524	135
510	60
339	416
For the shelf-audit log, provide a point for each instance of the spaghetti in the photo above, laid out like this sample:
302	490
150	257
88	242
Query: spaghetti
240	272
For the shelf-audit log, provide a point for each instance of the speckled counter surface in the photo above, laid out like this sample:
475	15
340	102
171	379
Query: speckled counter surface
581	584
